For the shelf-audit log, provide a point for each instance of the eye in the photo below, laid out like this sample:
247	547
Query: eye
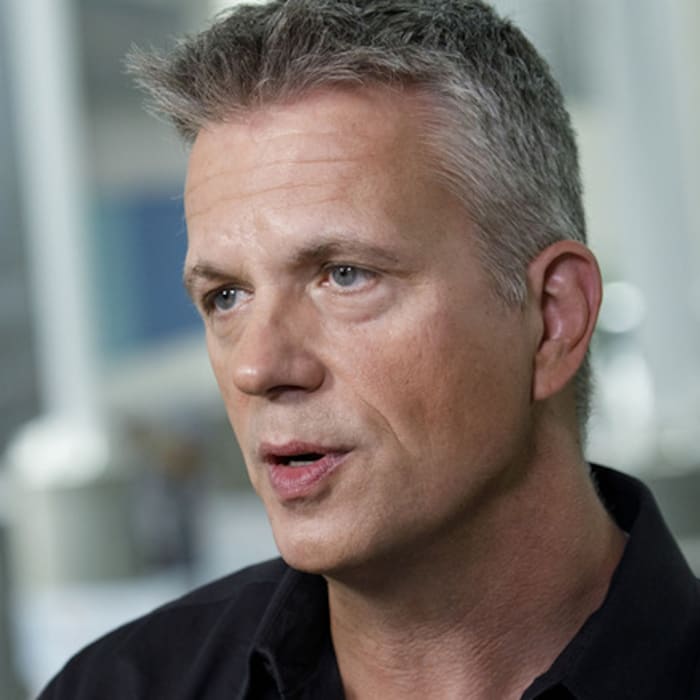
223	300
349	276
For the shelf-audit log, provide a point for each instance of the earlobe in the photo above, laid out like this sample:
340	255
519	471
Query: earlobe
566	284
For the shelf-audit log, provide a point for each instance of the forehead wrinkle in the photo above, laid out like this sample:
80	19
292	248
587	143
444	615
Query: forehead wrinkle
248	194
274	130
191	189
278	129
283	206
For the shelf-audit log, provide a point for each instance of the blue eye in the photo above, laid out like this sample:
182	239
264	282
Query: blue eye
348	276
224	299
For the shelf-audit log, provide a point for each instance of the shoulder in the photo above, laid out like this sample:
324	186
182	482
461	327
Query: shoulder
176	645
650	621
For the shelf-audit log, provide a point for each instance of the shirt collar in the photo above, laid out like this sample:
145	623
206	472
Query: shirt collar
643	641
640	644
293	640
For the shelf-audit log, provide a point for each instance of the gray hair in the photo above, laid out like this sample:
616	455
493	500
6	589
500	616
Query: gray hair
500	135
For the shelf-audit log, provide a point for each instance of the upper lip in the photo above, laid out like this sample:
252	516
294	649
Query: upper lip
271	453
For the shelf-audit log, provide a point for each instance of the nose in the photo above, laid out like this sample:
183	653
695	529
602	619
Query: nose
275	353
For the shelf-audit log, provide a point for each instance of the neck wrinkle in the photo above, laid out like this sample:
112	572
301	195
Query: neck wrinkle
517	584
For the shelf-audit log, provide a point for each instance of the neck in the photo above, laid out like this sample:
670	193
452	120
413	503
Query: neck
488	608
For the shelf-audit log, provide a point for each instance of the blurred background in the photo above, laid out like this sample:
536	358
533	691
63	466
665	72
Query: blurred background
120	483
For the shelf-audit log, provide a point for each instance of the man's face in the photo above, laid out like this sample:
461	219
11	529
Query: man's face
379	392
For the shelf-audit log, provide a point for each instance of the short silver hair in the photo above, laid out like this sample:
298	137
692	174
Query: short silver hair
500	134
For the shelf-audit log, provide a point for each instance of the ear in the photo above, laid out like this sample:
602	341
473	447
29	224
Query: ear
566	283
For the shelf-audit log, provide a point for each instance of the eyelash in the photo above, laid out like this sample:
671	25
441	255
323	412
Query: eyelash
209	299
337	267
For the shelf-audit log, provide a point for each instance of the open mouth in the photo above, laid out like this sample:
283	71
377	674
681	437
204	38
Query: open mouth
297	469
304	459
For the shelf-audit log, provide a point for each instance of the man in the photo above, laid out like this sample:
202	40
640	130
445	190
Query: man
387	247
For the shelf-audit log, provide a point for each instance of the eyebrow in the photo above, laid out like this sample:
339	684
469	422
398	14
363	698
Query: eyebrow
313	252
202	271
340	245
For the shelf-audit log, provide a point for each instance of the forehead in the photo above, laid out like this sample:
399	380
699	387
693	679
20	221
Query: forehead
348	166
323	133
353	115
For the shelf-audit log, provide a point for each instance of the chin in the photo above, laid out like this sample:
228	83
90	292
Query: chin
314	564
313	555
355	558
316	547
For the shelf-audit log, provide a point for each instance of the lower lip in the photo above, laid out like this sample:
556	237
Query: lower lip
293	483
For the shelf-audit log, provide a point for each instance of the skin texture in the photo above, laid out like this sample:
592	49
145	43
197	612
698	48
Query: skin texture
419	371
451	415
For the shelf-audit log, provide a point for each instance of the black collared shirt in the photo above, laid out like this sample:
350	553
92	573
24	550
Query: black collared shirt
263	633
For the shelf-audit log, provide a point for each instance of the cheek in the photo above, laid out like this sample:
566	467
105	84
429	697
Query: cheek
441	387
412	377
